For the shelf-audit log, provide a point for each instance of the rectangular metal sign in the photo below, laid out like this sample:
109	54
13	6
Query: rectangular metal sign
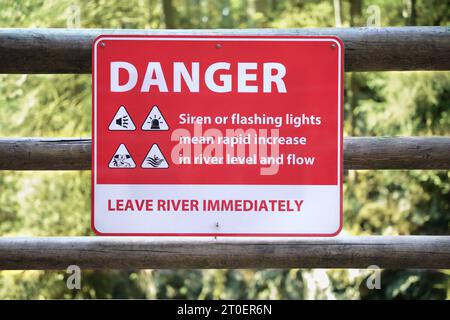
217	135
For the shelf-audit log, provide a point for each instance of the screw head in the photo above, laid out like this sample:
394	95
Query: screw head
218	46
102	44
333	45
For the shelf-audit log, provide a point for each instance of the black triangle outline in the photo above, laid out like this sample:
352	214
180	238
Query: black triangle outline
135	166
148	115
143	161
115	114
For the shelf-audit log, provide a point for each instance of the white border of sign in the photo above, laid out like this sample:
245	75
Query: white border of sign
180	189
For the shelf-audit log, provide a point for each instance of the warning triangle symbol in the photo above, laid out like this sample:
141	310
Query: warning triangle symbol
155	159
122	121
155	121
122	158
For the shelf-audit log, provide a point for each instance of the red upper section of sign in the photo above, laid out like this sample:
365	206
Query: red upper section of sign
314	69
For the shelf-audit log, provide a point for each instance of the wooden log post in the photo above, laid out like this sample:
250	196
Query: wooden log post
359	153
366	49
178	253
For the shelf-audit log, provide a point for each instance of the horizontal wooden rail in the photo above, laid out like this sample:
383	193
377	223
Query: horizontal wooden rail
359	153
173	253
397	153
366	49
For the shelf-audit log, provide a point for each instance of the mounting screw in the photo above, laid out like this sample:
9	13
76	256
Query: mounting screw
333	45
102	44
217	225
218	46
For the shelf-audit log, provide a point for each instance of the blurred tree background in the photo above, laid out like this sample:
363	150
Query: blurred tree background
376	104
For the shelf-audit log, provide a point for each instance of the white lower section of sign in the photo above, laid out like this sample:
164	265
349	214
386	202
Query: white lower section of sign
299	209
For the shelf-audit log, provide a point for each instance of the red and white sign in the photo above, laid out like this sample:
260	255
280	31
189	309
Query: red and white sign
217	136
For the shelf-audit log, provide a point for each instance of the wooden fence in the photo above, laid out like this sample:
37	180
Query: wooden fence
366	49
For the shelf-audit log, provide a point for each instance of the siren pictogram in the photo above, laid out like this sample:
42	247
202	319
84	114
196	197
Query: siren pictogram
155	121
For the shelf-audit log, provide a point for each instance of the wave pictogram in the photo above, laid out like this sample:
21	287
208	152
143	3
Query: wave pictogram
154	161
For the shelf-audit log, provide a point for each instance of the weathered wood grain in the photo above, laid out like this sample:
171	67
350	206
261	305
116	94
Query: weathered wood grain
177	253
397	153
359	153
366	49
45	154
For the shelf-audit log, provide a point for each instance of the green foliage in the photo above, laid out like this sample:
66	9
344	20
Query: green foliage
375	202
400	285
